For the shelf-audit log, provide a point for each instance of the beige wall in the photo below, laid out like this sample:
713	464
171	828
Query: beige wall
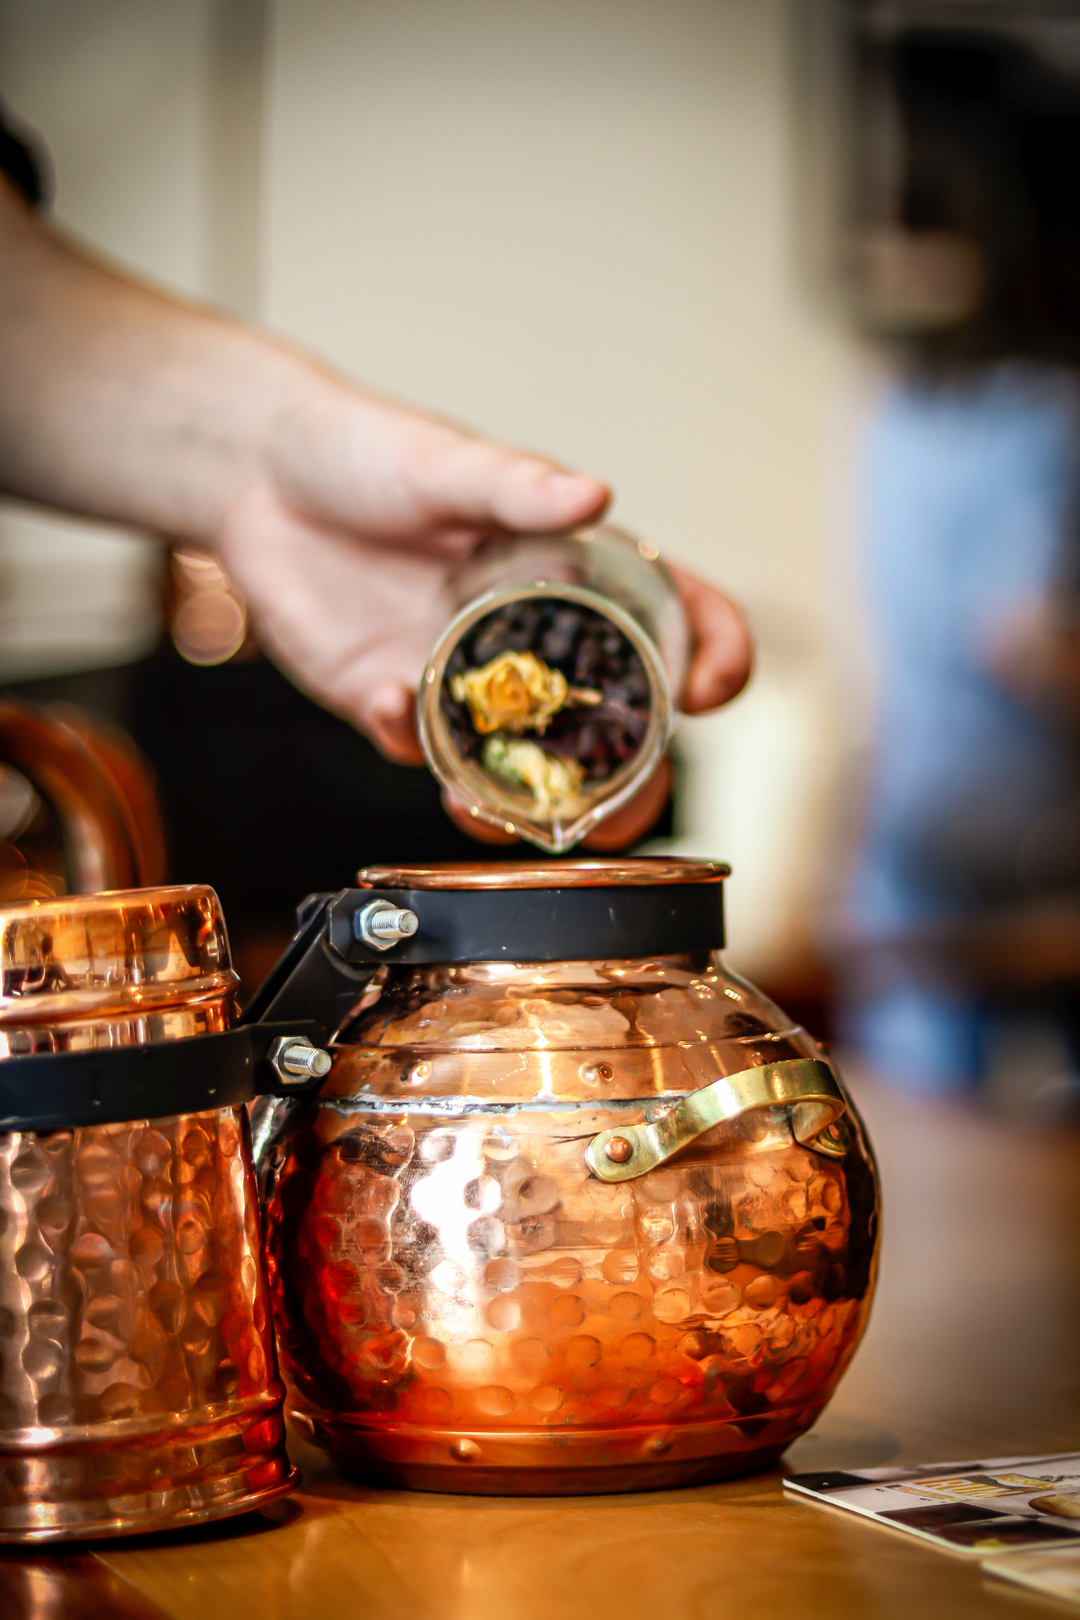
117	90
151	111
573	223
569	222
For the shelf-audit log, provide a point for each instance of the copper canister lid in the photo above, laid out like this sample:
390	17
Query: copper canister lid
543	874
125	952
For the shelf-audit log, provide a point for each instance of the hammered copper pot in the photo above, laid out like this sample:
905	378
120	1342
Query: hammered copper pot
138	1384
480	1285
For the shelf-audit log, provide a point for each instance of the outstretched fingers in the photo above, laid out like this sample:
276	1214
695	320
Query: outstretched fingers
723	654
471	482
391	723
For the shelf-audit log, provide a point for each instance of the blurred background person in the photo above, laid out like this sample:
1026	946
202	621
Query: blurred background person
964	912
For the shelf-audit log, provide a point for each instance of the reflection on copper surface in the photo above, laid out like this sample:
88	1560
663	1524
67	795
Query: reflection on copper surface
138	1385
138	1377
541	874
68	1586
94	969
462	1306
78	811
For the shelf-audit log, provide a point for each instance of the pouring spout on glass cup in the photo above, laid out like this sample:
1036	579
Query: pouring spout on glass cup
549	698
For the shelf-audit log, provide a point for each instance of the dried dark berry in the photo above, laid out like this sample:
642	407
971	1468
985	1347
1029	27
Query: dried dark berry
590	651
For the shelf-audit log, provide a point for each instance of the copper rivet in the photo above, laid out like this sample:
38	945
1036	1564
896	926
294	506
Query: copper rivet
618	1150
658	1442
465	1450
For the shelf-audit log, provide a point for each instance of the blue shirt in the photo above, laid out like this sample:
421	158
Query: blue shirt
969	495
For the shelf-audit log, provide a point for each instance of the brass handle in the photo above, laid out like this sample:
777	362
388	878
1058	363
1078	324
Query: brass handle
805	1085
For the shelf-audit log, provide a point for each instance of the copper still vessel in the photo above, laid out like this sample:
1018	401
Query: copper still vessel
576	1209
138	1380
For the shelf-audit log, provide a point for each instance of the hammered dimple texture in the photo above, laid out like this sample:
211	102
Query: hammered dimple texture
461	1305
135	1348
473	1274
573	1030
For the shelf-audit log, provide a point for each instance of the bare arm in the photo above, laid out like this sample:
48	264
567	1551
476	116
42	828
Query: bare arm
118	401
337	513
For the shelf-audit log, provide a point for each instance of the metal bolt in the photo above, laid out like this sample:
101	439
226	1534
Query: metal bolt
294	1058
380	925
393	924
618	1149
303	1058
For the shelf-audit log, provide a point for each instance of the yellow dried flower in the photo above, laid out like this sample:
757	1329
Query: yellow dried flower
555	783
515	692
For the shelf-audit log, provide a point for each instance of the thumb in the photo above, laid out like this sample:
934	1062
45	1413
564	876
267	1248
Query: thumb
473	482
390	722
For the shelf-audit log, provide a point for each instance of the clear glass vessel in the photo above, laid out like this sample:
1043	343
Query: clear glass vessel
548	699
463	1303
138	1381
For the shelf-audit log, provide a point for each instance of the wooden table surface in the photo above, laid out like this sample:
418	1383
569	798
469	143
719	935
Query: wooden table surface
972	1351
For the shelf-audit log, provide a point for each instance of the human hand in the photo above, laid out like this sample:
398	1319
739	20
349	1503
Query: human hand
338	515
343	552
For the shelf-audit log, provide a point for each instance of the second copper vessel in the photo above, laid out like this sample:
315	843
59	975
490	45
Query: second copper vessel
138	1382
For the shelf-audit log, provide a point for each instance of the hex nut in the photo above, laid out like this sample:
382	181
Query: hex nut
295	1060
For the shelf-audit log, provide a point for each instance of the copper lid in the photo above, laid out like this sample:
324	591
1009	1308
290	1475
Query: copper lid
130	950
542	874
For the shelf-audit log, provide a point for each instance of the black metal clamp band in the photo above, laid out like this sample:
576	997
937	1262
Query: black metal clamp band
575	924
328	962
53	1090
314	989
328	965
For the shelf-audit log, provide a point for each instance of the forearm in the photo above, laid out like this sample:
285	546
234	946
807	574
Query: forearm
337	513
118	401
